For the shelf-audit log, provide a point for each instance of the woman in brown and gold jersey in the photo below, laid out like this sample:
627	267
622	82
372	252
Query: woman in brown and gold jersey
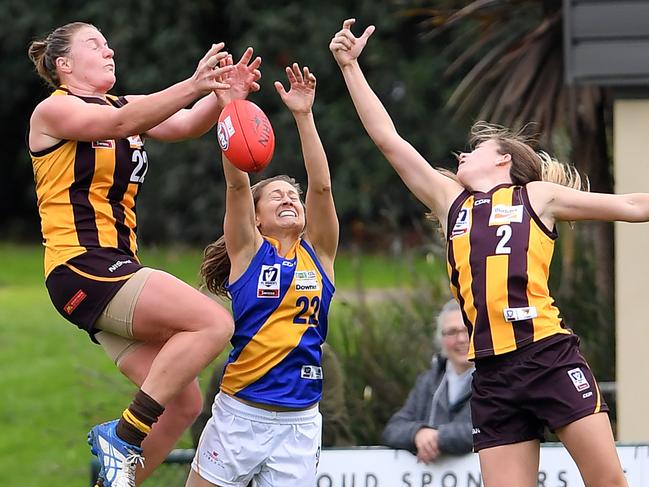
87	148
498	215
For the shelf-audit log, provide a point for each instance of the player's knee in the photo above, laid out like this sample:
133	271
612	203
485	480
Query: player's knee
219	327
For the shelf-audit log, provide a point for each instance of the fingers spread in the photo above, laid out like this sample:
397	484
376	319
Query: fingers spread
212	51
368	32
246	56
223	70
255	64
214	60
297	73
347	24
290	75
280	88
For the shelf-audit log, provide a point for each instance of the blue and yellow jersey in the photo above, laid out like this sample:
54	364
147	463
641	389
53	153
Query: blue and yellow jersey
499	254
87	192
280	308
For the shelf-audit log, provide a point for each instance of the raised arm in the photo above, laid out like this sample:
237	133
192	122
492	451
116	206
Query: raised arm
67	117
242	238
321	220
553	202
433	189
193	122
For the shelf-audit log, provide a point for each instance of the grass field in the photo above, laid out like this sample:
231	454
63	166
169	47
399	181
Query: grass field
55	384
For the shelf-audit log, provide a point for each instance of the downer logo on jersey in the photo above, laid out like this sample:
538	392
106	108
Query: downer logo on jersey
306	281
268	282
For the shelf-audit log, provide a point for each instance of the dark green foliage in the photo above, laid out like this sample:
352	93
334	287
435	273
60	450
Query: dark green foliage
384	340
159	43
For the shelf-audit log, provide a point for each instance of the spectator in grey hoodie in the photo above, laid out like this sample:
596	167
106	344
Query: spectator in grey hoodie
436	418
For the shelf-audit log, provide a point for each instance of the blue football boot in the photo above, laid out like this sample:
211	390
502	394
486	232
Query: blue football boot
118	458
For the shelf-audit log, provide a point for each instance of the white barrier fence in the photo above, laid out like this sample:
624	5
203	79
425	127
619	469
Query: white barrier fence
384	467
381	467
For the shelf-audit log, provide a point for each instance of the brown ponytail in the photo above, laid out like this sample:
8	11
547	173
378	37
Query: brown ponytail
527	164
44	53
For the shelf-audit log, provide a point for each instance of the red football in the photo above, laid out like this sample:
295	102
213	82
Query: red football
245	135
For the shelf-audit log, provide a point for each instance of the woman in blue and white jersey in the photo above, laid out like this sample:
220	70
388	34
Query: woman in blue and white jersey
277	266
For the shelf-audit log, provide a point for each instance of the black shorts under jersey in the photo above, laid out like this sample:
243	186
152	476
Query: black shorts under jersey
81	288
517	394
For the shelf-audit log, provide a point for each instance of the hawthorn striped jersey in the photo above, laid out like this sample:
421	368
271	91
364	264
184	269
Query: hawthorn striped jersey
86	192
499	255
280	306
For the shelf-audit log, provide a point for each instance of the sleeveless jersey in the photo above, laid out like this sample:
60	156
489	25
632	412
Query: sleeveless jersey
280	308
86	192
499	255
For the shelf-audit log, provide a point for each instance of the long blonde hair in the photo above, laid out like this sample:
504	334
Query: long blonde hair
215	267
43	53
527	164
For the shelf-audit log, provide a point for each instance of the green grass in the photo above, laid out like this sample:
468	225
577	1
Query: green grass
56	384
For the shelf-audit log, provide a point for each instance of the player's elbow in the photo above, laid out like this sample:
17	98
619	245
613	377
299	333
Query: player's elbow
323	188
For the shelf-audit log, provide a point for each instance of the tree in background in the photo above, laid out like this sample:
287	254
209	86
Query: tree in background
510	53
155	43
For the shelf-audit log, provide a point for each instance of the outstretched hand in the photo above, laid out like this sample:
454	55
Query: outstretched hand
241	79
210	72
345	46
301	94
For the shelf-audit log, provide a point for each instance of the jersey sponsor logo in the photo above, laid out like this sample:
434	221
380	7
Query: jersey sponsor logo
117	264
462	223
75	301
269	281
578	379
306	281
504	215
519	314
311	372
103	144
135	141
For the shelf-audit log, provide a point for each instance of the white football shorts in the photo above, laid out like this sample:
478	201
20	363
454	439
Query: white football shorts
276	449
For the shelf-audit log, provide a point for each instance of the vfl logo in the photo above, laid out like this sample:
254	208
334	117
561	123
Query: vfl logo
462	224
578	379
269	281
